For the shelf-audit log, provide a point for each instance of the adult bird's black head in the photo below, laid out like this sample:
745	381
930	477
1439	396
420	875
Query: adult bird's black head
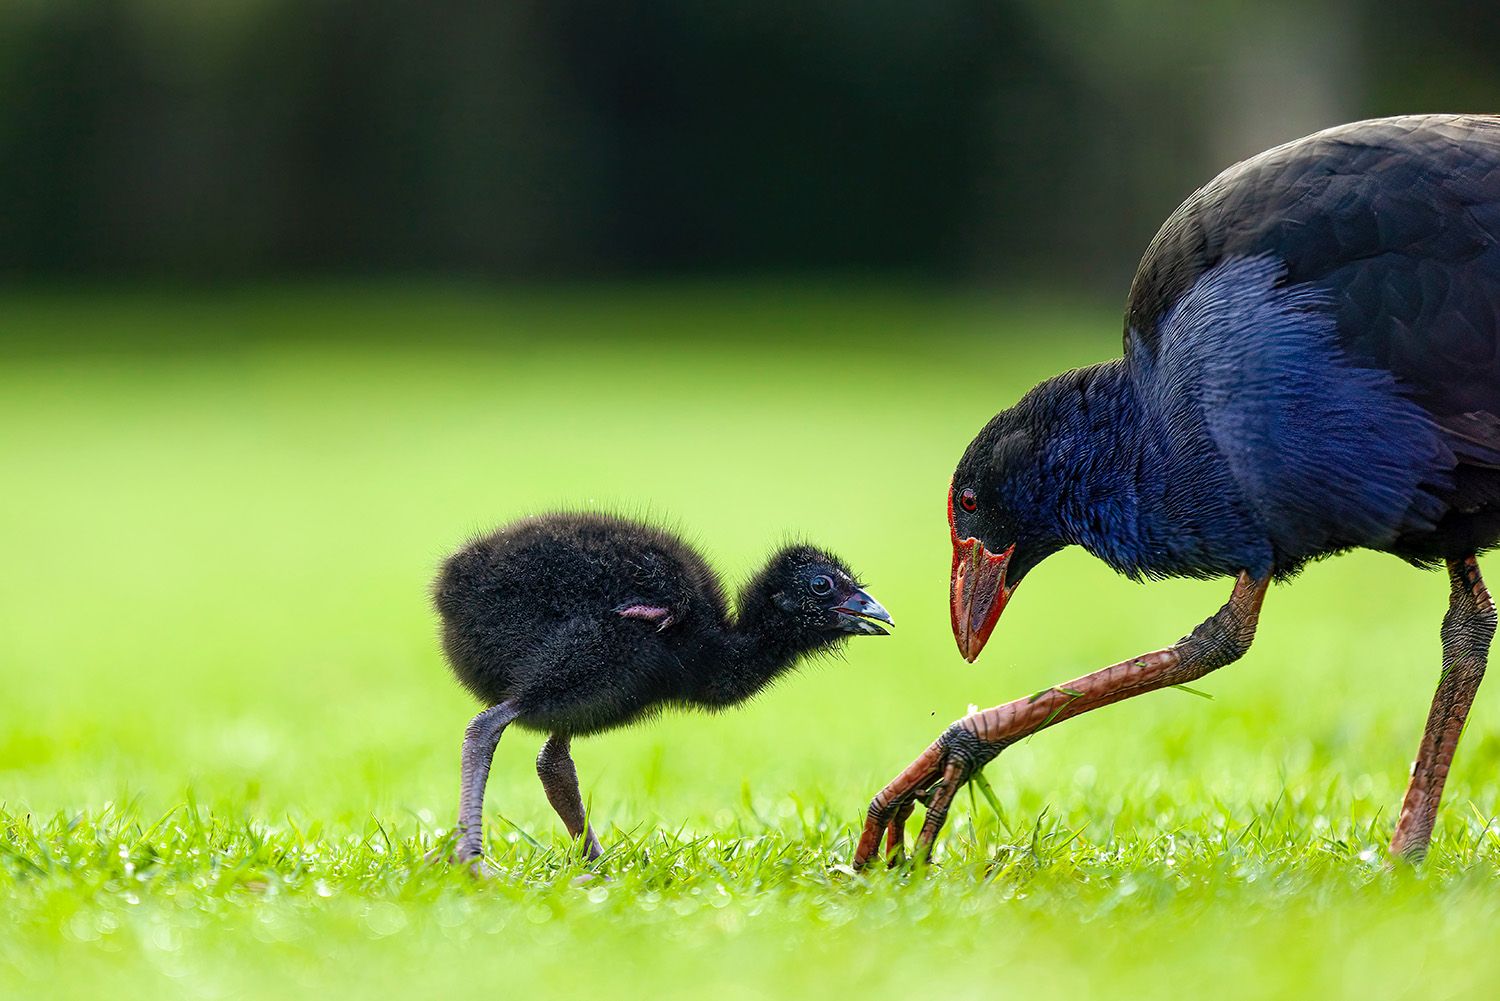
998	522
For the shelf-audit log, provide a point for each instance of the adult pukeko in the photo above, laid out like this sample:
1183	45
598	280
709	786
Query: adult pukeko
1310	366
576	623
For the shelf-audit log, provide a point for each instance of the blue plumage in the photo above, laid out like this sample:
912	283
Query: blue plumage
1323	453
1312	364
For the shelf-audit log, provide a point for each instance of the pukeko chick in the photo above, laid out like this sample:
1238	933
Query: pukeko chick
571	624
1310	366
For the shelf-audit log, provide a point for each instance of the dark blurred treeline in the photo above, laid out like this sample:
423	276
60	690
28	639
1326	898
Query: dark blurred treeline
999	140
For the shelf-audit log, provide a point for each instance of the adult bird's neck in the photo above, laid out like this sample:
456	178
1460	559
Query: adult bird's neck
1134	477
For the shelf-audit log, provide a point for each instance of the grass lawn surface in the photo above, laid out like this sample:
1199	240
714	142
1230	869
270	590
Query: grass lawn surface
228	739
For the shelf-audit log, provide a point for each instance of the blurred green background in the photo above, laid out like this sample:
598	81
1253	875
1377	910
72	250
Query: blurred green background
296	296
1001	141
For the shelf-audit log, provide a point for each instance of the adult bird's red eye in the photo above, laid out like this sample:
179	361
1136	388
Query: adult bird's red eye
967	500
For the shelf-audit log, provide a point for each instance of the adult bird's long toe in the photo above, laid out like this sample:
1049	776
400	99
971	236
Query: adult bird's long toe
1311	365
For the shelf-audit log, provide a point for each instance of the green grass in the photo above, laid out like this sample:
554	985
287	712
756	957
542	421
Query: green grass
227	738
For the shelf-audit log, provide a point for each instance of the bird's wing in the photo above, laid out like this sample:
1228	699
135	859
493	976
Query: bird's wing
1396	222
660	615
1474	437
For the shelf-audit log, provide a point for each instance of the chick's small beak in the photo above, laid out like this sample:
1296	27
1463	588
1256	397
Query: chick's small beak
859	612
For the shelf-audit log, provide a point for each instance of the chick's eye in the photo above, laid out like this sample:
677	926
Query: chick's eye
820	585
967	500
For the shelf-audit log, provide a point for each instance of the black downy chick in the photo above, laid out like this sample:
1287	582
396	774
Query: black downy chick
572	624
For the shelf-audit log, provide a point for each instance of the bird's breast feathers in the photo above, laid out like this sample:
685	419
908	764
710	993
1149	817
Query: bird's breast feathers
1326	452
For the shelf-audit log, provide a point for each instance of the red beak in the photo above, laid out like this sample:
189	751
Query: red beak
978	590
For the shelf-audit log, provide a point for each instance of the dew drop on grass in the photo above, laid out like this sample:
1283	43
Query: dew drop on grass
165	938
450	914
83	928
384	919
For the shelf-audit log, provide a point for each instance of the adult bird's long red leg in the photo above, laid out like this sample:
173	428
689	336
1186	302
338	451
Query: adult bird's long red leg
1468	629
972	742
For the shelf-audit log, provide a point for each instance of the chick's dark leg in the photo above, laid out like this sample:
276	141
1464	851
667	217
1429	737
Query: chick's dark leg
1467	630
554	766
480	740
969	744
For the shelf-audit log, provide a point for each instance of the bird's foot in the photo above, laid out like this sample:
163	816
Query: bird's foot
480	868
451	850
477	865
933	780
445	850
586	878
